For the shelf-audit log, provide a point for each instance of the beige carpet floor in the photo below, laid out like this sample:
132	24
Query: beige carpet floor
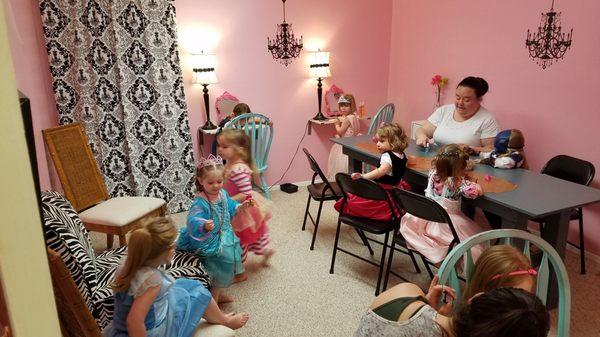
296	295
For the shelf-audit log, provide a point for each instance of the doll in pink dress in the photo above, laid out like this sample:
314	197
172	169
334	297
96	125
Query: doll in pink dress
446	184
250	226
347	125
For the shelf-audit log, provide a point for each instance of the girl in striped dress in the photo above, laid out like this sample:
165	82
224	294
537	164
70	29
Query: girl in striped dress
233	145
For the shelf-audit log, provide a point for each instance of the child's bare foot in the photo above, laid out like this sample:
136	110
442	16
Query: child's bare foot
236	321
240	277
223	298
267	256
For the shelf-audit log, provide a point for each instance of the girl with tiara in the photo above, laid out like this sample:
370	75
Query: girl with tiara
208	233
347	125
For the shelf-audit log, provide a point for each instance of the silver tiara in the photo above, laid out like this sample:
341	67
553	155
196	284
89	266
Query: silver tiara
211	160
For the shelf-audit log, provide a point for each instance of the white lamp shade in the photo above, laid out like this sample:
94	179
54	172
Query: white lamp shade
204	68
319	64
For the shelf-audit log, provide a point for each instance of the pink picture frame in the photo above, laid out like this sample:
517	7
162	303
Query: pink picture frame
224	105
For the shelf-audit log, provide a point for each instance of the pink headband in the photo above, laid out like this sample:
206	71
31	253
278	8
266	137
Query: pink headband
531	272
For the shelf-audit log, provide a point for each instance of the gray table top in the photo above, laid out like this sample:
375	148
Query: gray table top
536	195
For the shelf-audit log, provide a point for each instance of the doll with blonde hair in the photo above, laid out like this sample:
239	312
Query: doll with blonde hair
347	125
447	183
148	301
251	225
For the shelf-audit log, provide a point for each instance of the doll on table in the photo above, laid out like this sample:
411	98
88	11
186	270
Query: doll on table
508	151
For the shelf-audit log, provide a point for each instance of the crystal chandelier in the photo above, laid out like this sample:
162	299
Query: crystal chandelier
284	47
549	43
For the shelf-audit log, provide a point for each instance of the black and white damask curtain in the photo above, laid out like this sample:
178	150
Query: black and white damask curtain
115	68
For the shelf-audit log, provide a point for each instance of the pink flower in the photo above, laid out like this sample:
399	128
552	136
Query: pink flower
435	80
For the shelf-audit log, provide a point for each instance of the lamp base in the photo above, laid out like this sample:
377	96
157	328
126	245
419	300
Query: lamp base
208	126
319	117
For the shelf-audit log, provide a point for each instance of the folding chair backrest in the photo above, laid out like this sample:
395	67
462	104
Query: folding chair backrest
364	188
314	166
384	115
258	127
76	167
449	276
571	169
421	206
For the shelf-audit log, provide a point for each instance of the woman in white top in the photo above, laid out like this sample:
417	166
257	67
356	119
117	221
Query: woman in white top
466	122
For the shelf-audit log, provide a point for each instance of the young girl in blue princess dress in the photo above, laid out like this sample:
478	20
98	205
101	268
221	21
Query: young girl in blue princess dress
208	233
149	302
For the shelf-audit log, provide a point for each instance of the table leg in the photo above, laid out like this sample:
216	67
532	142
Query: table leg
555	232
354	165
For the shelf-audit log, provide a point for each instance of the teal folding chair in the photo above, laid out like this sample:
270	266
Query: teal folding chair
384	115
260	130
448	274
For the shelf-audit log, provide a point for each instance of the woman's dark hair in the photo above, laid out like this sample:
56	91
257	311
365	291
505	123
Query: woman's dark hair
503	312
476	83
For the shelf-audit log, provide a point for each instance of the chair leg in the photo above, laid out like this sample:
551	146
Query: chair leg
109	241
364	239
414	261
335	245
382	263
581	242
312	244
306	212
122	240
265	187
427	267
389	265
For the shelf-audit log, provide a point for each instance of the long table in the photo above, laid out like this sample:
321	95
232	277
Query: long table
536	195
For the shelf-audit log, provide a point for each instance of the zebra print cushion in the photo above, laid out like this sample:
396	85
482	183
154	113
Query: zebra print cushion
92	273
66	235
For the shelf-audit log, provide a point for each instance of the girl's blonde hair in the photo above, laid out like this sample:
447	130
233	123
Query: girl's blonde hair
350	97
241	143
153	238
202	170
450	161
395	135
493	267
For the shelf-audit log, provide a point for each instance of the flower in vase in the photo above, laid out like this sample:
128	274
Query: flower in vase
439	82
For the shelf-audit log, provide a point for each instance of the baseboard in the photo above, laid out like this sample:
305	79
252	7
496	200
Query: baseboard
299	183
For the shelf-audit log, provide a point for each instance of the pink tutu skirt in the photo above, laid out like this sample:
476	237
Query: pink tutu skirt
432	239
249	225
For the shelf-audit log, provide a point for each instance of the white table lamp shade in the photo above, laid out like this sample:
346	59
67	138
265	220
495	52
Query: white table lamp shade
204	68
319	64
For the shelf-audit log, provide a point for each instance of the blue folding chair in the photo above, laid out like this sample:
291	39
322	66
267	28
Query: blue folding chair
448	274
260	130
384	115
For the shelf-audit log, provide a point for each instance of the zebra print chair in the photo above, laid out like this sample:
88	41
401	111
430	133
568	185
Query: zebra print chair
92	273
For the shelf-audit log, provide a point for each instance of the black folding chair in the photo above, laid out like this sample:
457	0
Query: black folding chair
320	192
366	189
576	171
424	208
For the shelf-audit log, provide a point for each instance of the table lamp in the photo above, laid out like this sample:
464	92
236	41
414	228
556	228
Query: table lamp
204	73
319	69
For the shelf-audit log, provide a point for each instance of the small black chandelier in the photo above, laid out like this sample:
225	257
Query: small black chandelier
549	43
284	47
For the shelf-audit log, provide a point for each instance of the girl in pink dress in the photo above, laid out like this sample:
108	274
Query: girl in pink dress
233	145
347	125
446	184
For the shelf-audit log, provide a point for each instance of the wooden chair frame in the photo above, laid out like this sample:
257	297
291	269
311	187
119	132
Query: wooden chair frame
83	183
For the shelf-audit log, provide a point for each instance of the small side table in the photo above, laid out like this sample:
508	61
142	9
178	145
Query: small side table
329	120
201	132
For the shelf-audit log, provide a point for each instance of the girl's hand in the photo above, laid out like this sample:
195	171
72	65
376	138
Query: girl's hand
422	140
209	225
356	176
439	292
248	203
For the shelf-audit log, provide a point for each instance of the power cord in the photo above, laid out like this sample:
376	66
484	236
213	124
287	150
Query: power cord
293	157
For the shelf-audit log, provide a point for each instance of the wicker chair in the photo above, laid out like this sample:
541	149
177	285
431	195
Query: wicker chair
84	186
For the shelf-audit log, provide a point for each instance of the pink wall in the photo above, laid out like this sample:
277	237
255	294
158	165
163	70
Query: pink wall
358	40
555	107
357	37
32	73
